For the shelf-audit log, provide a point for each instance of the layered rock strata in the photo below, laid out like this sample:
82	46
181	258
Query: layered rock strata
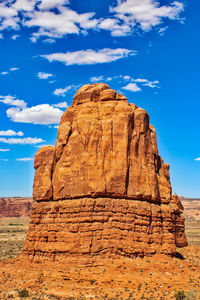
103	190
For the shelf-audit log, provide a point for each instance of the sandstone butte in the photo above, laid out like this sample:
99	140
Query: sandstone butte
103	190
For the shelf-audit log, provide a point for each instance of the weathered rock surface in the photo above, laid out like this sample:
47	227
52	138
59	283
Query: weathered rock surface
103	189
15	207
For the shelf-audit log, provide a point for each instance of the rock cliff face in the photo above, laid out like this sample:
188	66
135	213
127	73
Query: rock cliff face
103	189
16	207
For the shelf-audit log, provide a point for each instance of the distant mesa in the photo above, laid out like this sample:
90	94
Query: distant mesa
103	190
15	207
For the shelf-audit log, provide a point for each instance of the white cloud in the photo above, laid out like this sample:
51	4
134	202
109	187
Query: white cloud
61	105
89	56
8	16
97	78
132	87
25	159
15	36
10	100
162	30
14	69
127	77
10	70
47	4
61	92
198	158
42	75
141	80
102	78
48	41
145	14
1	36
4	150
10	132
54	25
3	159
47	23
43	114
151	84
24	5
22	141
108	23
39	146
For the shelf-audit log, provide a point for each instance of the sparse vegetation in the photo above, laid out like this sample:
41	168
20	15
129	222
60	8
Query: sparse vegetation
12	236
180	295
23	293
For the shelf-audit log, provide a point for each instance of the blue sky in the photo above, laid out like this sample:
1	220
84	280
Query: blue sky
148	50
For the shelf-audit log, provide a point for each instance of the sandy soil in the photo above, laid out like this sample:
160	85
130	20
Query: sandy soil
158	277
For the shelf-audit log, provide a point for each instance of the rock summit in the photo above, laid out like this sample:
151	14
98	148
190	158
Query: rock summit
103	190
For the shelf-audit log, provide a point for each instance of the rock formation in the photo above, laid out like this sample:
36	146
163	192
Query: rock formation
103	190
15	207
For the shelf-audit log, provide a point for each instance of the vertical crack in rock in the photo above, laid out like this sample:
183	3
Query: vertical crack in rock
103	190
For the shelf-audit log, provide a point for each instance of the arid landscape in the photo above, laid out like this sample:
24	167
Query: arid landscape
158	277
103	224
99	150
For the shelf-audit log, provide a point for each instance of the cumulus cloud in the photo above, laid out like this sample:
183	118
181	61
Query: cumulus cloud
57	25
22	141
42	75
10	132
62	91
8	16
43	114
10	100
4	150
145	14
52	19
89	56
47	4
25	159
24	5
198	158
132	87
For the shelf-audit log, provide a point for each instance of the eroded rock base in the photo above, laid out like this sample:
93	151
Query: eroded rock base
103	227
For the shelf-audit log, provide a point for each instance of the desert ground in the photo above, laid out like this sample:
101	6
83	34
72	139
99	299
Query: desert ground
158	277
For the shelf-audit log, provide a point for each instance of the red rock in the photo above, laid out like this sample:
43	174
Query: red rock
106	189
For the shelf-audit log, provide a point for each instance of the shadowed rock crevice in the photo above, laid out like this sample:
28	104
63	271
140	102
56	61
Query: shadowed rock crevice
103	190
